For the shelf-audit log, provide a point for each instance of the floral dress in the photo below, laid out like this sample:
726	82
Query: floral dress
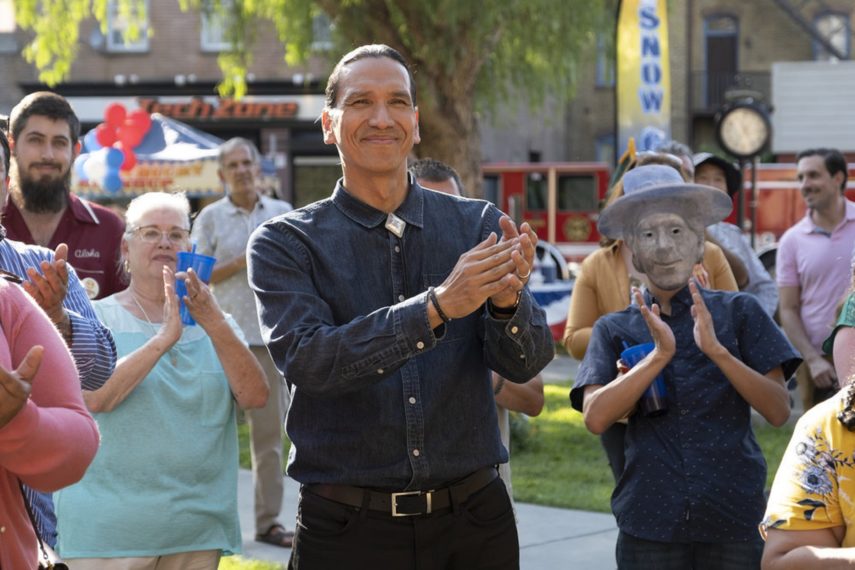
815	484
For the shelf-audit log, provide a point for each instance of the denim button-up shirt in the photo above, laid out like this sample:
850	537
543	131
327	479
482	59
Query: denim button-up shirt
378	398
695	474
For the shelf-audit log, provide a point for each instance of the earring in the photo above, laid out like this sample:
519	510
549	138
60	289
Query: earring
126	266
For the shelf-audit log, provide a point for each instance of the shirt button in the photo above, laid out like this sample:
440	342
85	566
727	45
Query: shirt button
522	356
401	298
379	371
397	249
412	400
684	412
420	345
2	529
515	330
416	452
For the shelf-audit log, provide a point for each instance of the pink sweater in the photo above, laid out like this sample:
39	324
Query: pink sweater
51	441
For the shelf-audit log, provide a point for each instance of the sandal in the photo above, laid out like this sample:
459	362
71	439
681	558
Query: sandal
277	536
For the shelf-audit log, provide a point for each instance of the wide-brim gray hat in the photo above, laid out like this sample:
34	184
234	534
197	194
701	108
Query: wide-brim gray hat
647	187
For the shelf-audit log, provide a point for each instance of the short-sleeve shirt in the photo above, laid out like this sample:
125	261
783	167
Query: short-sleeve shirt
696	473
222	230
165	478
815	483
93	235
818	262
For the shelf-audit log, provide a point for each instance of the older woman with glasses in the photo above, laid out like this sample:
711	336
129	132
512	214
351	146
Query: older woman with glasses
162	492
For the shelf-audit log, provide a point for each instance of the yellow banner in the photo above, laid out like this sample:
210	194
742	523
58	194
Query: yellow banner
643	74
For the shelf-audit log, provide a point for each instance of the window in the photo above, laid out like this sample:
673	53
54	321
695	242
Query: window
836	28
491	189
605	62
321	33
213	33
577	193
127	31
604	149
536	191
7	27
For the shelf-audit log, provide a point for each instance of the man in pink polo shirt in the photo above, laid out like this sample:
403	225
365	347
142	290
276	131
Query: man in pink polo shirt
44	138
813	268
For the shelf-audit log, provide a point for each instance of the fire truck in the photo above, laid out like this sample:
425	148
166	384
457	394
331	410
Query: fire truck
561	201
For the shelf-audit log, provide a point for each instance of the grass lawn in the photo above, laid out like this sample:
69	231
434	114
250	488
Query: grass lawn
562	464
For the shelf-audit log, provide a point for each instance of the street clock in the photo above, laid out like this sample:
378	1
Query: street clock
743	128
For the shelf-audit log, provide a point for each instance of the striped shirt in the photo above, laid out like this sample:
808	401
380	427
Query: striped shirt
92	348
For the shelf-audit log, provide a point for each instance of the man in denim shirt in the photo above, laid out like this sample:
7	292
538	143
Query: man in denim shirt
691	494
385	307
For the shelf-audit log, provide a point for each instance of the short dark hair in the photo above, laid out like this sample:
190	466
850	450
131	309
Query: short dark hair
44	104
435	171
4	142
235	143
362	52
834	161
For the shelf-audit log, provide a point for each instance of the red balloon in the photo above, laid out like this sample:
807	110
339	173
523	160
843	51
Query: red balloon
115	114
130	135
105	134
141	119
130	159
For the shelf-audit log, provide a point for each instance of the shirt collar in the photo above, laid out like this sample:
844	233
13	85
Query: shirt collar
809	227
681	301
234	208
411	210
81	210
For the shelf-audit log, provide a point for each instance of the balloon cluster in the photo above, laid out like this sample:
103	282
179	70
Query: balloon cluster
110	146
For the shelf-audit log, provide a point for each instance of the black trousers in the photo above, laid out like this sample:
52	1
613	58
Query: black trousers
479	534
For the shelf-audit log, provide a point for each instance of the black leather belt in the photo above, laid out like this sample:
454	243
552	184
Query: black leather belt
407	503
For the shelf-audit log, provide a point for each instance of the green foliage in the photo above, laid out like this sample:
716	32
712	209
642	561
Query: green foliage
481	49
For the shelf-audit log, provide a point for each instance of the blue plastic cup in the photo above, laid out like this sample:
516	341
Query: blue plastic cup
203	265
653	401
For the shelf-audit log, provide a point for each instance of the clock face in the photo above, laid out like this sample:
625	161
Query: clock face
743	131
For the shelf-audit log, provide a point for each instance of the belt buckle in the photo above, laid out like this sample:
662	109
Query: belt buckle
395	496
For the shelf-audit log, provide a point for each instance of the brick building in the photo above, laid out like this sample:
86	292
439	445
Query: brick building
716	46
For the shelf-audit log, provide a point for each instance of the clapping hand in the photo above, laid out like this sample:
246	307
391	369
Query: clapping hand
662	334
15	385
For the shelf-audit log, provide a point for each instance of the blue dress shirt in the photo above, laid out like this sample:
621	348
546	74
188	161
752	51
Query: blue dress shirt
696	473
378	398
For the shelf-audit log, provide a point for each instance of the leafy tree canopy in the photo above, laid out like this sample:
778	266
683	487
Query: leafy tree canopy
465	53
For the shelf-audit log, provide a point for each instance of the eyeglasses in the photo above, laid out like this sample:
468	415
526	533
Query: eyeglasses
153	234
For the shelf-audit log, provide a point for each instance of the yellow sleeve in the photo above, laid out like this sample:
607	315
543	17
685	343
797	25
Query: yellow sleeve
583	312
814	472
721	277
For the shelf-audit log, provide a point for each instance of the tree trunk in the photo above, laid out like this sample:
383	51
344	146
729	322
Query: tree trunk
452	137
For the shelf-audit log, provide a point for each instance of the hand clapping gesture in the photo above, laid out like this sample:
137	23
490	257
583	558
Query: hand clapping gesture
662	334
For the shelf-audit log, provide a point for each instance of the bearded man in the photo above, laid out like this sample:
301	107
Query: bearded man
44	136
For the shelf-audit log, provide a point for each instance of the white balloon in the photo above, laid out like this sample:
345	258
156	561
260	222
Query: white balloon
96	167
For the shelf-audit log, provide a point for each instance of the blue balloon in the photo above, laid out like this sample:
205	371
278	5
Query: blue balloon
112	182
115	157
90	142
79	163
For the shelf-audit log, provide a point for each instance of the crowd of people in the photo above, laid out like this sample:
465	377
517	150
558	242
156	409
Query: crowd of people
390	330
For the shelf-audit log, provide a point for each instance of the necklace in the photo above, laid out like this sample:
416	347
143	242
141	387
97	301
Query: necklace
172	356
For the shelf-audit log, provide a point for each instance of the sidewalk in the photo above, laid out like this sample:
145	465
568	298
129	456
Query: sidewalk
549	538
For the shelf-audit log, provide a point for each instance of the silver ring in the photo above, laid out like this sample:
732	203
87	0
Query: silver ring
524	277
